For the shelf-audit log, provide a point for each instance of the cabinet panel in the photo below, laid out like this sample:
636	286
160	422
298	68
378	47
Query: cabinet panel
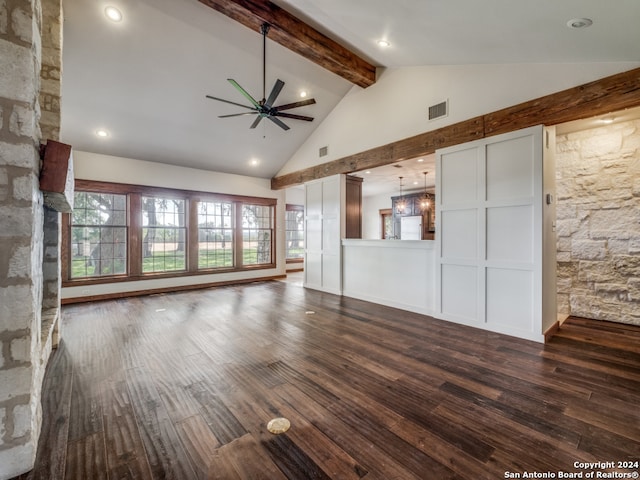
490	208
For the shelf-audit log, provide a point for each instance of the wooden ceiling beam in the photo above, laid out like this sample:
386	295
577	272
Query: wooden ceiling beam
299	37
606	95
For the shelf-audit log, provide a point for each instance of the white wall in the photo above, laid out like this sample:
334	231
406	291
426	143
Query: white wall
371	206
105	168
550	314
295	195
395	107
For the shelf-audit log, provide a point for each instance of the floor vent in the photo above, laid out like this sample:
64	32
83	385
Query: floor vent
439	110
278	425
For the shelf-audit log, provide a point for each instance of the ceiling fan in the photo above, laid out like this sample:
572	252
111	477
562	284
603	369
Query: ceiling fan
265	108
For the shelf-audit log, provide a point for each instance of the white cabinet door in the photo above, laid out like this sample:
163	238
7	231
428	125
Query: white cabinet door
489	248
324	229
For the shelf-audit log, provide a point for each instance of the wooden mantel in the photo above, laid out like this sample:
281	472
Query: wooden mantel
606	95
299	37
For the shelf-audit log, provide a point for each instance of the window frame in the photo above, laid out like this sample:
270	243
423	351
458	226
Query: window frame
134	194
292	208
242	231
164	228
232	228
124	225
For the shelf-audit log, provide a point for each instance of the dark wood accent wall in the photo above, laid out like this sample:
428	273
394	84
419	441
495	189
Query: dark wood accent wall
609	94
56	176
297	36
354	207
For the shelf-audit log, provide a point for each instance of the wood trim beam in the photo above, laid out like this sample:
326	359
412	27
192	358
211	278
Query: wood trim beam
599	97
608	94
393	152
299	37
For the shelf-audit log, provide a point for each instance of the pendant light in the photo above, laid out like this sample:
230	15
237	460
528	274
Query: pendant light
425	201
400	205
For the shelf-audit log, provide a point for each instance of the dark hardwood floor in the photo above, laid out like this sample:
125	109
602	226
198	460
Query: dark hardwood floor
181	386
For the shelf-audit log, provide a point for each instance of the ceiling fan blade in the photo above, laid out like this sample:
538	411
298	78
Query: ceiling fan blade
244	92
289	106
227	101
278	122
256	121
237	114
275	91
297	117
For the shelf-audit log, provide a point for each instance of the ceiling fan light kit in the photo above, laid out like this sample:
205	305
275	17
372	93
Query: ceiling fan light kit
265	108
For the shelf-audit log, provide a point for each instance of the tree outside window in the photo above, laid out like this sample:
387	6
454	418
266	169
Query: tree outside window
163	234
98	235
295	232
215	235
257	232
121	232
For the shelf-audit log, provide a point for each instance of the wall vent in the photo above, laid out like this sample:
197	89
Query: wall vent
323	151
439	110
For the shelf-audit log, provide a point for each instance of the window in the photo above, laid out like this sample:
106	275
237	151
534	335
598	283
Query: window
295	232
163	234
215	235
257	231
98	235
119	233
386	222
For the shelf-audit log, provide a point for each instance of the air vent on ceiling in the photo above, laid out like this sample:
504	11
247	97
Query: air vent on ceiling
323	151
439	110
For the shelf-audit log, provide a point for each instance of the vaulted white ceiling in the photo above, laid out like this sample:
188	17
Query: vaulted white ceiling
144	79
454	32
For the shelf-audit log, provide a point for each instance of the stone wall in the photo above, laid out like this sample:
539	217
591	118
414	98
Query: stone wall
51	73
24	350
598	223
50	97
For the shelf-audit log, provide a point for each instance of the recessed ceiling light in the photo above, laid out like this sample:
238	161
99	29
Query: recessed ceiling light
607	120
579	23
113	14
102	133
420	160
368	171
383	43
415	183
254	162
303	94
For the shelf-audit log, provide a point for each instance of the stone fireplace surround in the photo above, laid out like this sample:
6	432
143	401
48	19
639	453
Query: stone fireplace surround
30	70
